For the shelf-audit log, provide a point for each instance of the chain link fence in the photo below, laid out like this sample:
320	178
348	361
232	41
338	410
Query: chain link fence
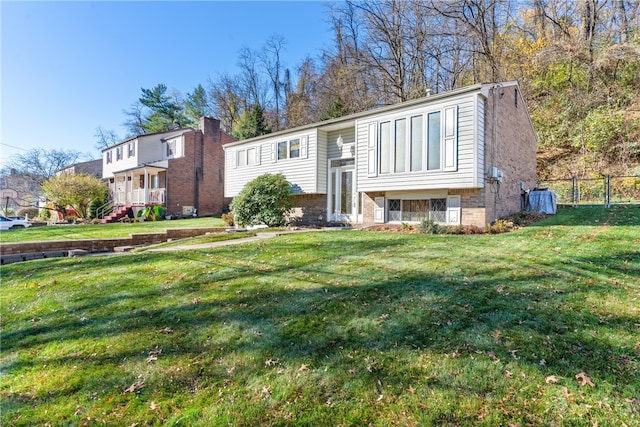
608	190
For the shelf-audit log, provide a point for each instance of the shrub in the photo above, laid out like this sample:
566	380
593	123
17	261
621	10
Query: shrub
429	226
31	212
228	219
264	200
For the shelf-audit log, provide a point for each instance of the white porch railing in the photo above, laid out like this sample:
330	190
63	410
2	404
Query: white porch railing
140	196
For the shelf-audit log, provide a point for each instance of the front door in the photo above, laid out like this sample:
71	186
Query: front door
342	192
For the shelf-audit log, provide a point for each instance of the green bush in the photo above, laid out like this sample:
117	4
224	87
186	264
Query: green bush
264	200
31	212
429	226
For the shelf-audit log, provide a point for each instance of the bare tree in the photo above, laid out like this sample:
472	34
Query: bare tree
227	100
39	164
271	60
105	138
251	82
135	119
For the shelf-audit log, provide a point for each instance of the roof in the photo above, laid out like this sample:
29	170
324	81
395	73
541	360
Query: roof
355	116
148	134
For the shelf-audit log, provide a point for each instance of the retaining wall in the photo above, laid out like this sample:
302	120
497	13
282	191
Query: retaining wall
101	245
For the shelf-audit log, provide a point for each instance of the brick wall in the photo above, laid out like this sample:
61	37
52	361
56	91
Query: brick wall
310	209
514	152
473	210
197	178
368	200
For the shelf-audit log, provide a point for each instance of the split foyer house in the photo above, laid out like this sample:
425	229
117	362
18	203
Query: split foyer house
181	170
462	157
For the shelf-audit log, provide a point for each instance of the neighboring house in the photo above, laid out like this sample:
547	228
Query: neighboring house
181	170
462	157
92	167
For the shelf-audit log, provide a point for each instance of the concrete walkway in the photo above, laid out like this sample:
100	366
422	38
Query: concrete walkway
259	236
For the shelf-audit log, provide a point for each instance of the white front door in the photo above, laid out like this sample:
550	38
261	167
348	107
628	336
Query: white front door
342	193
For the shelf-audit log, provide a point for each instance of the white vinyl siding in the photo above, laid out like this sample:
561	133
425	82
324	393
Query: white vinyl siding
450	164
299	167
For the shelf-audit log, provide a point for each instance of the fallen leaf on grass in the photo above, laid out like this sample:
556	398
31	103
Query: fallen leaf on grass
412	390
270	362
166	330
566	393
551	379
508	374
153	355
133	388
153	406
303	368
584	379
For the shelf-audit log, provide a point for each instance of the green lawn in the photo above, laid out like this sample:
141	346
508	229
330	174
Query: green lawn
540	326
102	231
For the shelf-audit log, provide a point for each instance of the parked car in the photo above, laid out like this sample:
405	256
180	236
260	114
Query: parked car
7	223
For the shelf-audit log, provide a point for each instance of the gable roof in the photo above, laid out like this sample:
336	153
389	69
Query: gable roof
176	131
482	88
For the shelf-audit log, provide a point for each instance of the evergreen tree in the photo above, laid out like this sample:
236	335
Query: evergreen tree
165	112
196	106
252	123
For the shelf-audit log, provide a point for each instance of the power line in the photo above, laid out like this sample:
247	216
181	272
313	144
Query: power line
13	146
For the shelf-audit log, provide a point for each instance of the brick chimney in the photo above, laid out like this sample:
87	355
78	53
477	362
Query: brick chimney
210	127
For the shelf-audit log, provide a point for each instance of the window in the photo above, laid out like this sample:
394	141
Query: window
131	149
171	148
283	150
119	153
242	158
400	145
289	149
251	156
109	156
294	148
385	147
395	210
419	143
438	210
433	142
416	210
416	144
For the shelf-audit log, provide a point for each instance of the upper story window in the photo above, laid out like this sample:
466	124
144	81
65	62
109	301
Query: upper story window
109	156
433	141
405	145
289	149
248	157
131	149
171	148
119	153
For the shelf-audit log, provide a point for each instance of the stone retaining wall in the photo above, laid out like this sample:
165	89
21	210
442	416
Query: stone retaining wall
104	245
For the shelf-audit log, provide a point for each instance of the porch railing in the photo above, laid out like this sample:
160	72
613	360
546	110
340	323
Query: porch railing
137	196
104	210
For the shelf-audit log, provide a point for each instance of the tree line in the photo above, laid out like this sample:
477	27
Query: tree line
578	63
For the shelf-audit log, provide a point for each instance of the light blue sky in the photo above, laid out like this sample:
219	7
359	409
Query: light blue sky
69	67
